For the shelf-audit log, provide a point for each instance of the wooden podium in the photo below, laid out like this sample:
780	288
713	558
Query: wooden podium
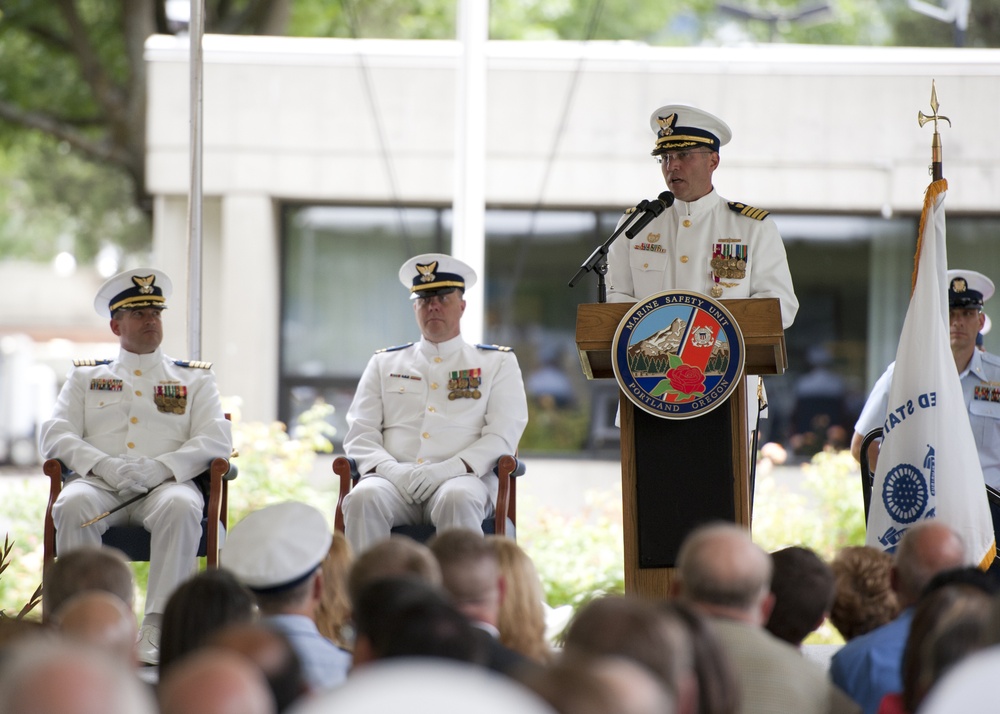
677	474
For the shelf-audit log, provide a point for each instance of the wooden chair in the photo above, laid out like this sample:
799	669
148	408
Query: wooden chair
134	540
868	474
508	468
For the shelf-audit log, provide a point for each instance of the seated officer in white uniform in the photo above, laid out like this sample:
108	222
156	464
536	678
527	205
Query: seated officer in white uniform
141	423
701	243
978	371
430	419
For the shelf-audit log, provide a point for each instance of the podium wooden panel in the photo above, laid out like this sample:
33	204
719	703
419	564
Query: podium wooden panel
677	474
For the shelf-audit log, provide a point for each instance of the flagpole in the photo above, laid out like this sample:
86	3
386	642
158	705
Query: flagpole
937	167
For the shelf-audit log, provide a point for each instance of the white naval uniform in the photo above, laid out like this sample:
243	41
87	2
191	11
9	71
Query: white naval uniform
109	409
982	371
402	412
675	251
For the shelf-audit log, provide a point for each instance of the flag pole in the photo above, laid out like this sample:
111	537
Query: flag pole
936	170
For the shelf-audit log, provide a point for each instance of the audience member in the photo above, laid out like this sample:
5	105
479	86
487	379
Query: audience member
726	576
100	619
615	626
803	589
869	667
470	572
55	676
522	611
864	596
947	625
398	556
201	605
718	690
601	685
425	686
333	616
277	552
404	617
969	688
274	656
214	681
87	568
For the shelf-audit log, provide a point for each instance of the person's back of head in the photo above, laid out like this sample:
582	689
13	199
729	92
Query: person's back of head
470	572
864	597
397	556
405	617
87	568
948	624
723	572
55	676
272	652
803	588
597	685
718	690
522	612
926	549
100	619
202	604
617	626
214	681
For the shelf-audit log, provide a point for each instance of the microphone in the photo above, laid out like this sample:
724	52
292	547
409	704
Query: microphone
651	210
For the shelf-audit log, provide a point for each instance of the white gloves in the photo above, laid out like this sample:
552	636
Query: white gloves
129	475
398	475
111	470
148	473
428	478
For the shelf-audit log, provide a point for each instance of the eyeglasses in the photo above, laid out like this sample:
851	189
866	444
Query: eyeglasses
678	157
439	298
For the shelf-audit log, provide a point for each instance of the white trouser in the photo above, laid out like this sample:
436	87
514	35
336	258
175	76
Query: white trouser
171	513
374	506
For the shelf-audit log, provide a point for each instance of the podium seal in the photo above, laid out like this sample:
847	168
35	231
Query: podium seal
678	354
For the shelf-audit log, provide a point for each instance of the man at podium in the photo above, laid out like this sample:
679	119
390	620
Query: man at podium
702	242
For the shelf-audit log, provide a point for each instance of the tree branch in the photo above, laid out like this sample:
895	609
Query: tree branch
102	151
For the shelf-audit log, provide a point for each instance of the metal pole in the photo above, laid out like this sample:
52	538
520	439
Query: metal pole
469	206
196	30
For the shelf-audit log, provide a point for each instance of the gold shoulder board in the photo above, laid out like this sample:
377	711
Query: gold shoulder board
193	363
758	214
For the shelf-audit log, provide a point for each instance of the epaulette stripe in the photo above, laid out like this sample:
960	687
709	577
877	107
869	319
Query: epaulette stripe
90	362
758	214
193	363
498	348
630	211
394	349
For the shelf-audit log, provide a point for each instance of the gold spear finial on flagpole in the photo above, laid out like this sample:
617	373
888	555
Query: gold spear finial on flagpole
937	170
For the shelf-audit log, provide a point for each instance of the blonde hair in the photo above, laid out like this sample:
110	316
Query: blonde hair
333	616
522	610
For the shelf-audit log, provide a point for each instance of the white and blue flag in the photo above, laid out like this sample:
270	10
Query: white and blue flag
928	466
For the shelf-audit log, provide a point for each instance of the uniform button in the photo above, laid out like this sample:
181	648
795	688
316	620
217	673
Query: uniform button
645	265
426	435
684	259
401	390
420	461
101	404
138	373
687	223
437	359
138	392
434	385
130	445
134	420
431	409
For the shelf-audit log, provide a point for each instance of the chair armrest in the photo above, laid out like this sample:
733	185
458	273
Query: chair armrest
346	469
507	469
867	476
56	471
